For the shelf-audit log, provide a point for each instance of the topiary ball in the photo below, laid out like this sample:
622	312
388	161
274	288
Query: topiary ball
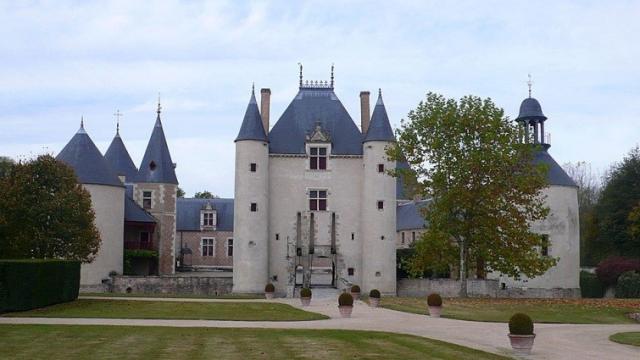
355	289
305	292
374	294
434	300
520	324
345	299
269	288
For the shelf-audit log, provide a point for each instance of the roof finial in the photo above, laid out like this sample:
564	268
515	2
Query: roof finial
529	84
82	122
379	91
253	88
117	115
300	64
159	106
332	75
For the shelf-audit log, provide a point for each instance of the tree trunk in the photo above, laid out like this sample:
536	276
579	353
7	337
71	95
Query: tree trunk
463	270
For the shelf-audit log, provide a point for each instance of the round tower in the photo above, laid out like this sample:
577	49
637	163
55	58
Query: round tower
251	205
378	206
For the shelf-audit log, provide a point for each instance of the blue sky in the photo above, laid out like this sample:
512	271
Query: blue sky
60	60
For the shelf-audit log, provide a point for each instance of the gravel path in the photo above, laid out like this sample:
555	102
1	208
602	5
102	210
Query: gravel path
553	341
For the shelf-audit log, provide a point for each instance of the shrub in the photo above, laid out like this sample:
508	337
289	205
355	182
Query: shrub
590	286
520	324
269	288
611	268
628	285
434	300
345	299
374	294
31	284
305	292
355	289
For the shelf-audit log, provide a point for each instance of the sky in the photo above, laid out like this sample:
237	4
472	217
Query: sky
60	60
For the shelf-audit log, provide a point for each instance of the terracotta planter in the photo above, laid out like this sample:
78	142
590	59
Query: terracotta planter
345	311
268	295
356	295
374	302
305	301
434	311
522	344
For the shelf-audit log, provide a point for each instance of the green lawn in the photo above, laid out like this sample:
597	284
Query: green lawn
124	342
142	309
629	338
572	311
184	296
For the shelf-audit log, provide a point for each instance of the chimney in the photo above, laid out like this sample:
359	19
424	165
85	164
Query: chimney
365	116
265	101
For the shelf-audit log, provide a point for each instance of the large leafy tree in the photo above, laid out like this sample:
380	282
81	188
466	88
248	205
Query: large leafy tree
45	213
205	195
617	213
6	164
467	157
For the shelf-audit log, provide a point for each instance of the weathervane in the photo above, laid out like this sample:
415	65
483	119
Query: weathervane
529	84
159	106
300	64
118	114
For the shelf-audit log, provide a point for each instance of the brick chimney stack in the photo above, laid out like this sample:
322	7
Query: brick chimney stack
365	114
265	103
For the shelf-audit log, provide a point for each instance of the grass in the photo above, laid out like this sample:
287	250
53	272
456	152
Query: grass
628	338
180	296
137	309
124	342
570	311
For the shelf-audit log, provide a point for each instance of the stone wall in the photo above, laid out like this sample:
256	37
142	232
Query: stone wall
477	288
179	285
193	241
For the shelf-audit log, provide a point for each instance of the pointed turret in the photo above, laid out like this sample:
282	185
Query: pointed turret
379	127
87	161
156	165
252	127
118	158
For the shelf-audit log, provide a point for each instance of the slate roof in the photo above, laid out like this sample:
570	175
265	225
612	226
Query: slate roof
118	158
379	127
409	216
252	128
188	213
157	154
530	109
555	175
87	161
134	212
314	106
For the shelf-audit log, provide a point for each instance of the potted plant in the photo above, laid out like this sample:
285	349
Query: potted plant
434	302
521	333
305	296
355	292
374	298
345	304
269	290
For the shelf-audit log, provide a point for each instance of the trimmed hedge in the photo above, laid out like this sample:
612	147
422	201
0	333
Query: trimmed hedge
31	284
590	285
628	286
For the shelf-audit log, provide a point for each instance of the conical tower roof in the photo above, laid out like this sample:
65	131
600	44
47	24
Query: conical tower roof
118	158
252	128
87	161
156	165
379	127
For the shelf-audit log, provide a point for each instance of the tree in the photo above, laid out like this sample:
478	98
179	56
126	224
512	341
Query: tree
6	164
588	192
180	193
45	213
205	195
484	189
615	214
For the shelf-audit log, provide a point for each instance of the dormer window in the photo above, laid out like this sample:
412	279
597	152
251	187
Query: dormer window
146	199
208	217
317	158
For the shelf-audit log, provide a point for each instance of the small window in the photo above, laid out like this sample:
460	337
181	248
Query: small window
146	199
413	236
402	234
382	237
152	165
380	205
277	236
208	247
350	271
318	200
318	158
380	168
229	247
254	207
253	167
353	236
544	250
207	219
